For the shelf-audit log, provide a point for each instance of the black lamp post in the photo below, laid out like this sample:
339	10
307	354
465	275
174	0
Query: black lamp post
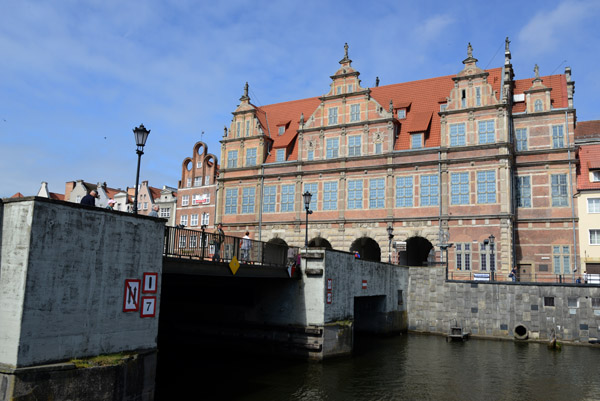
492	260
390	230
141	135
307	197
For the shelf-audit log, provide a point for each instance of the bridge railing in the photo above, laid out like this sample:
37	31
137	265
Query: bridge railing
204	245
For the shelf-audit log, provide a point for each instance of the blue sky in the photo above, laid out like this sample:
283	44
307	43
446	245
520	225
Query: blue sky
77	76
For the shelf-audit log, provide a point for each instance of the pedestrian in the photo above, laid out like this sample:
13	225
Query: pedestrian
90	199
154	212
246	246
111	204
219	238
513	274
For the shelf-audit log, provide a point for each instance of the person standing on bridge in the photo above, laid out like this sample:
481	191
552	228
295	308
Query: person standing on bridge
218	240
246	246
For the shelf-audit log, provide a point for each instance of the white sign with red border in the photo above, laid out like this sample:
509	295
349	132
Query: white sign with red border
150	283
364	284
131	297
148	307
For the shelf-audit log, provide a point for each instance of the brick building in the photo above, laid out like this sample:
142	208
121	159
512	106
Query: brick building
454	159
587	138
196	189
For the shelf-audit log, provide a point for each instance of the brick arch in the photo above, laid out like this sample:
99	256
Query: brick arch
367	247
417	250
319	242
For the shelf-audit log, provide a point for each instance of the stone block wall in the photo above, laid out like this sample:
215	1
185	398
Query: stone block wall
63	268
496	309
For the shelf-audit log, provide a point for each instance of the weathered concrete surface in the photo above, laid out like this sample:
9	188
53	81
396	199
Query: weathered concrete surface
490	309
62	269
132	380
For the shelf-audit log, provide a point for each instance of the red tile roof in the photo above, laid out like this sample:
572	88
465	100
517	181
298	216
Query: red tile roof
587	129
17	195
54	195
589	157
422	97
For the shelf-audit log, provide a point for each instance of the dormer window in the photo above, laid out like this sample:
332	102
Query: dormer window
281	130
280	156
401	114
350	88
339	90
478	96
537	105
443	107
416	140
595	175
463	98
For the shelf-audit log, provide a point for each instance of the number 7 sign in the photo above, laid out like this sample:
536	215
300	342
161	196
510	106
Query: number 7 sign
148	308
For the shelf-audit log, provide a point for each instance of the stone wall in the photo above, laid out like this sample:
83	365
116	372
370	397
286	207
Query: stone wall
63	268
493	309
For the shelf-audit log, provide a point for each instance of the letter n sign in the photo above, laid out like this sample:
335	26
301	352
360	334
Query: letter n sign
131	298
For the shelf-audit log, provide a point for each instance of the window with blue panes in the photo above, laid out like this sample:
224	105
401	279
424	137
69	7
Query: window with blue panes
486	186
562	259
355	112
269	196
231	201
333	114
521	136
280	155
314	191
486	132
404	192
377	193
232	156
457	134
330	190
559	190
251	157
248	197
287	198
355	194
558	140
310	155
416	141
354	145
459	188
332	147
524	191
430	190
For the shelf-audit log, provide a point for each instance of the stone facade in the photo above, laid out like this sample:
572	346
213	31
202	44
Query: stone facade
492	309
463	160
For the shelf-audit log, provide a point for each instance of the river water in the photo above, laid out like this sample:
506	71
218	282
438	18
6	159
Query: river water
407	367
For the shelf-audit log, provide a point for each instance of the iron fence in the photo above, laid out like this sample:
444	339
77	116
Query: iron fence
535	277
204	245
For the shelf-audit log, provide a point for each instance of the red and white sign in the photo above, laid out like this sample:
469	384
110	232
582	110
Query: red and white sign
329	284
131	298
329	297
150	283
148	307
364	284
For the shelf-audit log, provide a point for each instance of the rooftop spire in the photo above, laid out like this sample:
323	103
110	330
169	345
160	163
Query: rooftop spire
346	59
245	97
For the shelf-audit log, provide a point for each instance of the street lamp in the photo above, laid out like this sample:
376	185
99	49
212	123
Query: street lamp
492	260
444	247
307	197
141	135
390	230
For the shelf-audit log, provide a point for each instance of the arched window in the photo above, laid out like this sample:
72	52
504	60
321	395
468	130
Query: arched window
538	105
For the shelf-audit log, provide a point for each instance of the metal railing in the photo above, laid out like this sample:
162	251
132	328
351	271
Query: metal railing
192	244
502	276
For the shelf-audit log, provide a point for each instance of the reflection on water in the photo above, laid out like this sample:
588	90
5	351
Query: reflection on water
409	367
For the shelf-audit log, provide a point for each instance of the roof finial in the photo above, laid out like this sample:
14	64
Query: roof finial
391	106
469	50
536	71
302	119
225	132
376	81
245	96
346	50
506	44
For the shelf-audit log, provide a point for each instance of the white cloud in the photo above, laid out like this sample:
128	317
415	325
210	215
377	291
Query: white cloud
549	30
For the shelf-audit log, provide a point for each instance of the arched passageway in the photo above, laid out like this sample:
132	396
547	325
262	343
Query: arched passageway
275	250
278	241
319	242
368	248
417	251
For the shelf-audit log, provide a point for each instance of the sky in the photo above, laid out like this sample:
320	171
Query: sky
77	76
